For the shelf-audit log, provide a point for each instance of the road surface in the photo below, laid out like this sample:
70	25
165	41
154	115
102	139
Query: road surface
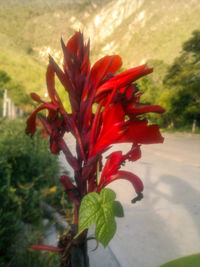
166	223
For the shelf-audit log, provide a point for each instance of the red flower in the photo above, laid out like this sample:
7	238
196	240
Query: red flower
116	120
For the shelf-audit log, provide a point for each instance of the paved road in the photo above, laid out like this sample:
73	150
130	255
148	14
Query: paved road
166	223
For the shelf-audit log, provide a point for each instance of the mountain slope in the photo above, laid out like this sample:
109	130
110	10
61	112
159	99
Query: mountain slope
138	30
22	68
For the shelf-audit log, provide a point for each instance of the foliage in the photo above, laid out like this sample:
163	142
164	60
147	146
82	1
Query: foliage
100	209
191	260
153	90
176	87
22	256
25	73
28	174
183	83
15	90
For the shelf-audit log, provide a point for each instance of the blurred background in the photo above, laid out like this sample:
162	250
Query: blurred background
164	34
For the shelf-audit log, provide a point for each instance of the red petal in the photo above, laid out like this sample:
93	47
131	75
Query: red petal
68	155
116	159
85	66
54	147
107	64
112	128
31	122
66	182
137	108
112	164
109	137
111	115
50	82
44	247
124	79
50	79
46	125
134	179
75	42
43	134
36	97
134	154
70	189
141	133
95	126
63	77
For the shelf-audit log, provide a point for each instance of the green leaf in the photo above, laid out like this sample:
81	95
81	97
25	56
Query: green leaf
100	209
105	229
191	260
90	210
118	209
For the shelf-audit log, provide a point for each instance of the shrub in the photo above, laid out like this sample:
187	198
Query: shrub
28	174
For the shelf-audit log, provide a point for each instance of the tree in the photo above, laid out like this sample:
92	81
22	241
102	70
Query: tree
15	90
152	87
183	83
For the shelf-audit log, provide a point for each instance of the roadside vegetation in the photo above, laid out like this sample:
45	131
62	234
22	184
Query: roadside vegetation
176	87
29	174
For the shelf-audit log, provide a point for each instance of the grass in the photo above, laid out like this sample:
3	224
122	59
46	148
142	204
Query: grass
21	67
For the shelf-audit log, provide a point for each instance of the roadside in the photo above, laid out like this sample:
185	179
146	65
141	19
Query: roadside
165	224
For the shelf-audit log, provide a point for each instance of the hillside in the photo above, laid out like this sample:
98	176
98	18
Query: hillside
138	30
22	68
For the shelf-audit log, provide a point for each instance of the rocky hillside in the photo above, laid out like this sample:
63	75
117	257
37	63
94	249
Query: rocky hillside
138	30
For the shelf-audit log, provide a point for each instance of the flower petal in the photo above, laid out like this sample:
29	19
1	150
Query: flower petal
134	179
63	77
36	98
70	189
75	43
106	65
138	108
31	122
112	165
124	79
115	160
112	128
45	247
141	133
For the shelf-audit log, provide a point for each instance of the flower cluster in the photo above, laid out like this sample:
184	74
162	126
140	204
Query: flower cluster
117	118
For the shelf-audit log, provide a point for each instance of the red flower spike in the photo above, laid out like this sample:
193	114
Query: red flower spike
117	119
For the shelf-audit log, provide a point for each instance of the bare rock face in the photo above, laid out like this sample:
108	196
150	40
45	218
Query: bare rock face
138	30
110	17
